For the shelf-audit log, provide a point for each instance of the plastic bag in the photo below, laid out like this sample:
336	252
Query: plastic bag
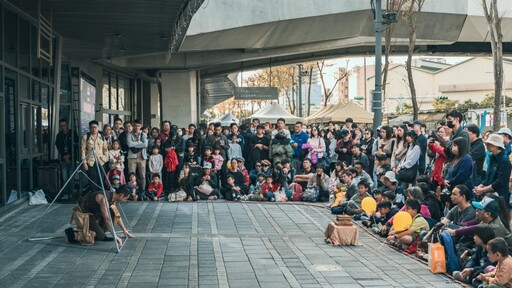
13	197
436	257
37	198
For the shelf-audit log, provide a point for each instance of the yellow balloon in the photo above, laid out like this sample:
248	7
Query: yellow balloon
402	221
228	165
369	205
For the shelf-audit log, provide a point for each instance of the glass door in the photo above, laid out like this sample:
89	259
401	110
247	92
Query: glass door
11	147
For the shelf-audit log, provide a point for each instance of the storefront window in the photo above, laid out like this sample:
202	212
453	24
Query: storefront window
106	91
113	93
24	50
11	38
36	62
36	91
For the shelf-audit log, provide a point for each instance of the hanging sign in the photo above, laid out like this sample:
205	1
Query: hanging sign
256	93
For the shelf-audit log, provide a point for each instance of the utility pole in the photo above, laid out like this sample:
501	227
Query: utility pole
300	91
377	93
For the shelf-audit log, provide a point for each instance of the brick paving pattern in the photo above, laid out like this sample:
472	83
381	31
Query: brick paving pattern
203	244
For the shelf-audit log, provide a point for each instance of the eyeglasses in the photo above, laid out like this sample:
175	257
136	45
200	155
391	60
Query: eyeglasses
265	165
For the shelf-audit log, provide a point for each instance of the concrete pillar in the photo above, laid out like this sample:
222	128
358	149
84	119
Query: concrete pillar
179	97
155	106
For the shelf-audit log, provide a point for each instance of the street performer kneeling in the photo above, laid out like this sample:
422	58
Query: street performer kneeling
92	219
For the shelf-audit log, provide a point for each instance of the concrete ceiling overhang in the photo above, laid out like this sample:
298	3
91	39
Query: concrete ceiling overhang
320	37
106	29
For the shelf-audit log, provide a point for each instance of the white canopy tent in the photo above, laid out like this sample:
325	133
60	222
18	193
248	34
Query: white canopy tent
227	119
272	112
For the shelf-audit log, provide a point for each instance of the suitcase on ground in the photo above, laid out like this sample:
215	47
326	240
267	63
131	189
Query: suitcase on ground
48	179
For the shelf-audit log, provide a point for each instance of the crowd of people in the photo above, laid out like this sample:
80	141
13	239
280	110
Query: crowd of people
454	181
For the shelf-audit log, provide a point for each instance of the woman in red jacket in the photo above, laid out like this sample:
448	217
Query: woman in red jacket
437	172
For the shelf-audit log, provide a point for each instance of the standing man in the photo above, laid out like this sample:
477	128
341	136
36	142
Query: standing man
254	125
235	131
67	144
422	142
299	137
118	127
190	132
281	127
219	140
454	120
137	155
91	143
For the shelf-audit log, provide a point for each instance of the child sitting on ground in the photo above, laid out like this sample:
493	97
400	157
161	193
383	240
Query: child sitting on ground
155	188
269	188
377	222
497	251
419	224
232	191
134	185
115	182
257	187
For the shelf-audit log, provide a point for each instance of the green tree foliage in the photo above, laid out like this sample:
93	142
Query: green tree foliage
444	104
406	108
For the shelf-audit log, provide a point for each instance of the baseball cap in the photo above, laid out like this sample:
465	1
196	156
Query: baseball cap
116	177
416	122
207	165
488	204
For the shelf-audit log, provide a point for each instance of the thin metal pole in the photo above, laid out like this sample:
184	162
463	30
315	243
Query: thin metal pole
300	91
377	93
50	206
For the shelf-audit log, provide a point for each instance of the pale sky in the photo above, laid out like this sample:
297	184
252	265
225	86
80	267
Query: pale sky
332	72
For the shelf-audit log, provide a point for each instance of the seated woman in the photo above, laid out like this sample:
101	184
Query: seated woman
93	204
207	184
322	181
186	182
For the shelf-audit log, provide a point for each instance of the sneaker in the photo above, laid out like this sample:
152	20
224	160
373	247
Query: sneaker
212	197
70	234
272	199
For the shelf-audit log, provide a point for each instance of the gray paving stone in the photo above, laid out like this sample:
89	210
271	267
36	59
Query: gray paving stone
215	244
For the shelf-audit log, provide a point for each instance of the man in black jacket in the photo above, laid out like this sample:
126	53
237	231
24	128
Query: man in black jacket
67	145
477	152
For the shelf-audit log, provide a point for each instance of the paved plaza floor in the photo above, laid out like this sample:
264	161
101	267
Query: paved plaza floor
202	244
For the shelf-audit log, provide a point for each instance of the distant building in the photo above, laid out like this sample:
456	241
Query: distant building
342	86
471	79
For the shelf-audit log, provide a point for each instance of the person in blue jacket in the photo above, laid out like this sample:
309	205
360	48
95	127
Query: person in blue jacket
461	168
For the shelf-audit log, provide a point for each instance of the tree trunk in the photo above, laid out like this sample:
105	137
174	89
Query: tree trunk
412	17
494	26
309	90
412	88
